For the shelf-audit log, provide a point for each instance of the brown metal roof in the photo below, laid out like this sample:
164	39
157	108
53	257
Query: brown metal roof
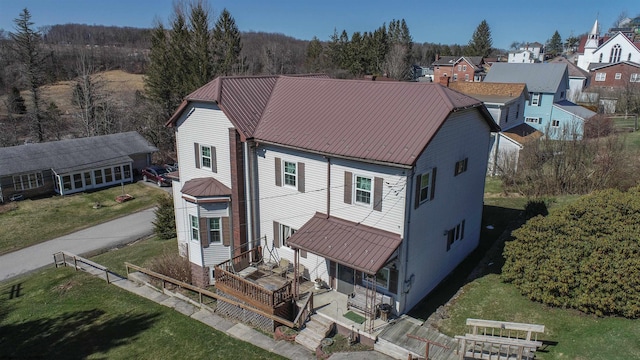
360	247
389	122
205	187
242	98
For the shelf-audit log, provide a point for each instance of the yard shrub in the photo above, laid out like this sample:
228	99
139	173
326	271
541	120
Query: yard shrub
165	224
171	264
584	256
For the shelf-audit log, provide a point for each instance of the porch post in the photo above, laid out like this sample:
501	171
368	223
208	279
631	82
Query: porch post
296	261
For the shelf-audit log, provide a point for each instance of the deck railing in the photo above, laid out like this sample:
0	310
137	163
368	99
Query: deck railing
228	281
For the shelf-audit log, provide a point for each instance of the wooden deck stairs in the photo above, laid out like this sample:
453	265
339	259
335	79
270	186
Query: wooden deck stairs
317	328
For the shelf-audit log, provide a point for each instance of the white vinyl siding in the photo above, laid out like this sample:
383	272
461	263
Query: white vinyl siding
464	135
207	126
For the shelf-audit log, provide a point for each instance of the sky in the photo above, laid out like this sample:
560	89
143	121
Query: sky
428	21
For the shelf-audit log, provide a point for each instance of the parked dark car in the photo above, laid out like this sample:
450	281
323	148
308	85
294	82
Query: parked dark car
156	174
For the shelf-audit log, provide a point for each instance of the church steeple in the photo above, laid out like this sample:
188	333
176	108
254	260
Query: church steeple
593	37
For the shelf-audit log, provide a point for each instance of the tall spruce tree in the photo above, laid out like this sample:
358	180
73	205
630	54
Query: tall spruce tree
398	59
26	46
158	81
227	45
554	45
481	42
202	71
313	60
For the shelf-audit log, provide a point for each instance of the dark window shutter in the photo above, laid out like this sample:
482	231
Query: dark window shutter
539	99
303	254
450	238
377	193
226	231
300	170
393	281
214	160
204	232
196	150
418	183
276	234
433	183
278	172
462	231
348	183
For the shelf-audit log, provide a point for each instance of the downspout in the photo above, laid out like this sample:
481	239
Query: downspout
328	187
247	190
495	154
406	283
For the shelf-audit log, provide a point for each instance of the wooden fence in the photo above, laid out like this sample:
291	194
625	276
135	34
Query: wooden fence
63	258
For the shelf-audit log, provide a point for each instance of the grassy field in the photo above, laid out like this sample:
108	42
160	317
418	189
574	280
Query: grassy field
30	222
63	314
569	334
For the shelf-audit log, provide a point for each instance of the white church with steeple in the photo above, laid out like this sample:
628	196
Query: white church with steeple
617	48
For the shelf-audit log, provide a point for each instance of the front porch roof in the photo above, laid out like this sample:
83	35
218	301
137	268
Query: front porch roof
205	188
358	246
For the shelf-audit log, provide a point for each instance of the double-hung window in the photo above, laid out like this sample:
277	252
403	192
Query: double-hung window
635	77
285	234
461	166
215	230
195	228
290	177
535	99
425	187
363	190
555	123
205	156
600	76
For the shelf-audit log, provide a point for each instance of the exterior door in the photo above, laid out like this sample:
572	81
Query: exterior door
346	279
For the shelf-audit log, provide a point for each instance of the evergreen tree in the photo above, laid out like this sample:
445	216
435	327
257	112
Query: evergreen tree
16	102
202	71
26	46
164	225
554	45
227	45
313	58
157	81
481	42
398	58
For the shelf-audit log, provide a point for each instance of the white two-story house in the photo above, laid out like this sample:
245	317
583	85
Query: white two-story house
360	182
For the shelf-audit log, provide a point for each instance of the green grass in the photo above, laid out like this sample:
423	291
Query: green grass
570	334
64	314
29	222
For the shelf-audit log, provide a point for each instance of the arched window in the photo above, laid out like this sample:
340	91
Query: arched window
629	57
616	51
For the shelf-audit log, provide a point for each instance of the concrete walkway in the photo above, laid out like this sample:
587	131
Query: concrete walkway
106	235
290	350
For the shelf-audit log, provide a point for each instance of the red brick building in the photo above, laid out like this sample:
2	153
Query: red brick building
456	68
614	76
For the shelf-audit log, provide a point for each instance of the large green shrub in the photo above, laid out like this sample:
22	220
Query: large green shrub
584	256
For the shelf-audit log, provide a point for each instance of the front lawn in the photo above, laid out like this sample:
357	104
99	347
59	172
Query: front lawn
569	333
30	222
64	314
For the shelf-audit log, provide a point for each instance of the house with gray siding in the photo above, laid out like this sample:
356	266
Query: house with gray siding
547	109
357	183
73	165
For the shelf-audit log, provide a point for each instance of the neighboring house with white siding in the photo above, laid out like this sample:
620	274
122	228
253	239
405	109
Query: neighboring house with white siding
378	184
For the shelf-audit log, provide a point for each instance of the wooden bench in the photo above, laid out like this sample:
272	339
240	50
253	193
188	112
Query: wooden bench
500	339
358	300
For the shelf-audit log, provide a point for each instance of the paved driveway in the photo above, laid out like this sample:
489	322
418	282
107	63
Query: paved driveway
106	235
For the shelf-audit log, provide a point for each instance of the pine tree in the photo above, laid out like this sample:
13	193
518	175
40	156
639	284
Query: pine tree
202	71
480	43
158	81
164	225
554	45
26	46
398	59
313	59
227	45
16	102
